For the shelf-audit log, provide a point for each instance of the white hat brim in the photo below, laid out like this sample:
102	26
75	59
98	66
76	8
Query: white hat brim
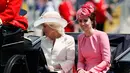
40	21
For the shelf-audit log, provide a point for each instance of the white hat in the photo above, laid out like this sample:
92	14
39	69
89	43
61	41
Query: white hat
52	16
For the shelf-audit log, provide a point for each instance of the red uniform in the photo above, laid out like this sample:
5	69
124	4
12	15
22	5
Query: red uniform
9	13
100	11
67	11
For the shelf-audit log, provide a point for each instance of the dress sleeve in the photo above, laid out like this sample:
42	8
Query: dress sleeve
68	64
81	59
105	53
12	9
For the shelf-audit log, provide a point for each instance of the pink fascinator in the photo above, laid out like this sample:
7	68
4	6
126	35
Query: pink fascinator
85	10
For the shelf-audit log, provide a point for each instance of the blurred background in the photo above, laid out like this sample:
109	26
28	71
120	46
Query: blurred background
118	9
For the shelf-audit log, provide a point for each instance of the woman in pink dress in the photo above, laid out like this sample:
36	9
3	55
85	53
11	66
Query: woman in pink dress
93	45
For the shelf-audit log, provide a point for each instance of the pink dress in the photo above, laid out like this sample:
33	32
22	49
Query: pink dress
94	52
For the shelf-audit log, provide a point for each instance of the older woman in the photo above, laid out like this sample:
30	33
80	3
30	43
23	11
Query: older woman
93	45
59	48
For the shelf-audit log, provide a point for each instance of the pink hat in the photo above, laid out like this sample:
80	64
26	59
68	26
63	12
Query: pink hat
85	10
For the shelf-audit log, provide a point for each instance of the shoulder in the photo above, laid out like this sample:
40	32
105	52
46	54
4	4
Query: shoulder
80	35
69	37
100	33
45	39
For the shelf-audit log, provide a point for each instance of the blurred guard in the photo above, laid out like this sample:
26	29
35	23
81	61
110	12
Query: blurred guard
10	19
9	14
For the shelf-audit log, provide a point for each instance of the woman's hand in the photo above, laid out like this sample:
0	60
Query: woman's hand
0	21
57	66
81	71
51	68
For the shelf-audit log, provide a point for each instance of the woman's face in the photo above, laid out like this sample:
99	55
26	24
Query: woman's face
85	24
48	31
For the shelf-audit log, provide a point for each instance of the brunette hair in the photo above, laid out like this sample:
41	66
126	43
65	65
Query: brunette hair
93	19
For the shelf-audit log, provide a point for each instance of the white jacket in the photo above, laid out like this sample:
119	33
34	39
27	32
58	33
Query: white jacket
63	52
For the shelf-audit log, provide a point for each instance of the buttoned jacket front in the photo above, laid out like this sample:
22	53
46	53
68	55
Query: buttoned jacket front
63	52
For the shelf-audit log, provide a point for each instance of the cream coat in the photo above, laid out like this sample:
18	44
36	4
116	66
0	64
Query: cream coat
63	52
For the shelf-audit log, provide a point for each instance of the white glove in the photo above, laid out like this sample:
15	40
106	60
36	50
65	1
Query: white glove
0	21
51	68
